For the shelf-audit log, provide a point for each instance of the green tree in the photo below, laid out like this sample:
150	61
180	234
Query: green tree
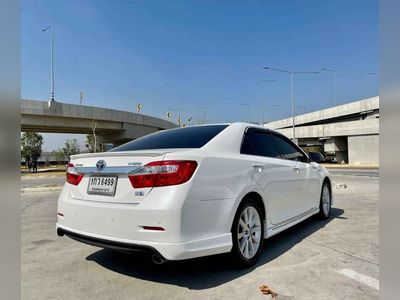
31	146
60	156
71	148
90	141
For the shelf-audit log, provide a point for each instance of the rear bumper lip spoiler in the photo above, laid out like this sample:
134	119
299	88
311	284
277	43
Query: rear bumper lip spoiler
103	243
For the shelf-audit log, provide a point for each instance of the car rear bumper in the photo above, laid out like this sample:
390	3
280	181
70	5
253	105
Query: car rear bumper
98	242
169	251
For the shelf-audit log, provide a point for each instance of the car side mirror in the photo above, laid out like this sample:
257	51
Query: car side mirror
305	159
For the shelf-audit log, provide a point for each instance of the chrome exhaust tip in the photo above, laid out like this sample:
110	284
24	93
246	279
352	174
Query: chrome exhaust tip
157	259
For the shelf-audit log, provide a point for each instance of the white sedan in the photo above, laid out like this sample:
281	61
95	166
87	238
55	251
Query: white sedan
191	192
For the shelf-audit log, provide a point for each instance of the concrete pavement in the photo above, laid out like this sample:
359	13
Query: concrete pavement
39	183
333	259
48	181
354	172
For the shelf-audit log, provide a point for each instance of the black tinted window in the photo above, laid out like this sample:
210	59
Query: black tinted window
288	150
188	137
317	157
259	143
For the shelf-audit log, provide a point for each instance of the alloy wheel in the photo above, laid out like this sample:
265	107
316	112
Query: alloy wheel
249	232
326	200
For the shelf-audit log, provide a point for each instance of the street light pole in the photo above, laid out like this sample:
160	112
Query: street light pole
179	98
262	110
262	101
291	73
204	108
334	82
52	59
291	92
248	110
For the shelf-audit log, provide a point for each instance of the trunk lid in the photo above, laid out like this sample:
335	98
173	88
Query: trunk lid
116	165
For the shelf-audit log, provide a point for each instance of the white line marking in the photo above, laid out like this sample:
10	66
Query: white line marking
369	281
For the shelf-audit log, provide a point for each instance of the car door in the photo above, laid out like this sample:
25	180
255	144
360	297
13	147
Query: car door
274	175
305	188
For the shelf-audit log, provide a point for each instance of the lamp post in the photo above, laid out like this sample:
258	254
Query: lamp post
262	101
291	89
204	108
52	59
169	114
334	82
179	99
248	110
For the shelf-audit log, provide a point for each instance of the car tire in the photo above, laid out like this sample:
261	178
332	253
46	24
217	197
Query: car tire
247	234
325	202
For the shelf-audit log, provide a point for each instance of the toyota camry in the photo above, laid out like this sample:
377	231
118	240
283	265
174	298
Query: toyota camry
193	191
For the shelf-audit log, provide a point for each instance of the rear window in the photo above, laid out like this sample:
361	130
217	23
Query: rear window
188	137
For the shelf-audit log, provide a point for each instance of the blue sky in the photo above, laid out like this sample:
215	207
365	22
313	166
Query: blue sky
212	53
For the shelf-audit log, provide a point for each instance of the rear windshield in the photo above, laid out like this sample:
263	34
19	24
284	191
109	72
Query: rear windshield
188	137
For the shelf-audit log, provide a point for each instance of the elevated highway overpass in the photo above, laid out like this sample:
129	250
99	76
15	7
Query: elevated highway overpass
112	126
350	131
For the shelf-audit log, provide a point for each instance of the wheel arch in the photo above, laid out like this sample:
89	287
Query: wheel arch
236	253
329	182
253	193
256	197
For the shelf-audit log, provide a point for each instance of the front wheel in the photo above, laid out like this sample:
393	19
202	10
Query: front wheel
325	202
247	234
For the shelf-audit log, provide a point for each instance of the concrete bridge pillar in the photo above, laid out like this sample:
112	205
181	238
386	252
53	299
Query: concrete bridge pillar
339	146
364	149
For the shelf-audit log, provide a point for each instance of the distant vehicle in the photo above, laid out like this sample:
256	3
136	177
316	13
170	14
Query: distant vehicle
316	157
330	158
193	191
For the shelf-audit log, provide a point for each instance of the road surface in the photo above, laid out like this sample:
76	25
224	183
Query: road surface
333	259
354	172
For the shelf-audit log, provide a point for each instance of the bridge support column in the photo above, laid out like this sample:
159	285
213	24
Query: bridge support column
364	149
338	146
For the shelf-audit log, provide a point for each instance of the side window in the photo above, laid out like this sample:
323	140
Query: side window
259	143
288	150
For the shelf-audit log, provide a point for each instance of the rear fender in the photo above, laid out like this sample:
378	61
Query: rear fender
254	188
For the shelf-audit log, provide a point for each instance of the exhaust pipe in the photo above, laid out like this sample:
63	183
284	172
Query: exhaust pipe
157	259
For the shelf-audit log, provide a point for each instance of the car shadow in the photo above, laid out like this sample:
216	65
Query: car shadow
205	272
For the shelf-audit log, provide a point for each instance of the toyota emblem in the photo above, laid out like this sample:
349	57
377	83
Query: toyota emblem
100	165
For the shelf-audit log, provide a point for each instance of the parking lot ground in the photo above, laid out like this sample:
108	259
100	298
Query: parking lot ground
41	182
333	259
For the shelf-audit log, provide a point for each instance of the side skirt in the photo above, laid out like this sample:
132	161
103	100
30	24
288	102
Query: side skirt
289	223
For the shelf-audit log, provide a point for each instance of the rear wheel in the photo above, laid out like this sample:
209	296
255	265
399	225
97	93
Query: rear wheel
325	202
247	233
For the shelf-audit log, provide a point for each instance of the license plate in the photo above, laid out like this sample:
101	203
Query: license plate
102	185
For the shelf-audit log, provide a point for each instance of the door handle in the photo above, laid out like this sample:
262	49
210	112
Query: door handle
259	168
296	169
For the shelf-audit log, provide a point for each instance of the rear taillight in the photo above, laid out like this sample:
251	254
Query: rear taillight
73	177
163	173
